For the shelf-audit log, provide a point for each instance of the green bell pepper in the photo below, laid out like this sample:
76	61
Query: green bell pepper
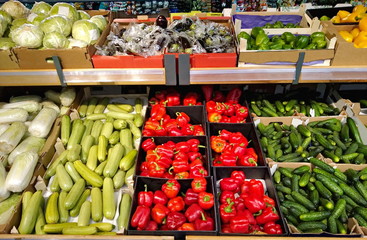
244	35
311	46
287	46
324	18
321	43
268	25
317	35
302	42
275	38
276	45
288	37
263	47
278	24
262	39
256	31
290	25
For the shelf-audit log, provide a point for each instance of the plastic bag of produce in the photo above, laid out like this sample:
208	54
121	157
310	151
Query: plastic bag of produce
31	143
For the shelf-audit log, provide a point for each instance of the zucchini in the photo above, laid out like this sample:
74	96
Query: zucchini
87	143
103	226
123	219
108	199
102	148
69	167
128	160
74	194
91	177
65	129
40	223
82	110
57	227
84	215
64	179
29	216
119	179
92	157
63	212
76	209
96	198
138	105
113	161
52	213
85	230
76	134
91	105
101	106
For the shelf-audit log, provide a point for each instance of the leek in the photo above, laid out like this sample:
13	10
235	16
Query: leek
29	106
31	143
21	171
12	136
52	105
53	96
42	123
13	115
67	96
25	98
8	206
3	127
4	193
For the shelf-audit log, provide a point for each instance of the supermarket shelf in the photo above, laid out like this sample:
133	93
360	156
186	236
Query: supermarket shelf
70	237
249	75
83	77
254	237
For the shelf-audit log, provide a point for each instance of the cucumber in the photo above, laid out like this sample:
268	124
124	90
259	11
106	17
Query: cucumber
327	204
329	175
353	194
328	183
322	165
361	221
324	192
304	131
339	208
286	172
288	204
361	189
295	183
314	216
303	200
304	226
324	142
304	180
344	134
277	176
315	197
332	227
301	170
354	130
295	212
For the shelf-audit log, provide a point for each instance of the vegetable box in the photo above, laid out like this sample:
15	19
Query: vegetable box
126	61
8	60
156	184
247	130
69	58
262	174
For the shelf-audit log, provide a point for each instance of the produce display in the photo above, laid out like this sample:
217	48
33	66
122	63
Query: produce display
321	199
358	13
259	40
310	108
160	123
340	142
231	149
171	97
165	210
44	26
358	35
178	160
279	24
245	208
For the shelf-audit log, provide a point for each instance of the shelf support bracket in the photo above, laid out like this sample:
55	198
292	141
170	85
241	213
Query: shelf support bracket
170	70
59	71
299	64
184	69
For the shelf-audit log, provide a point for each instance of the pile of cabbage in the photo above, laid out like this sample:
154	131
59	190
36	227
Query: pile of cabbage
44	26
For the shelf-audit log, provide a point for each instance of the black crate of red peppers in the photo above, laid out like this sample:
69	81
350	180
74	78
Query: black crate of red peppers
234	145
187	96
247	202
178	157
174	121
225	106
173	207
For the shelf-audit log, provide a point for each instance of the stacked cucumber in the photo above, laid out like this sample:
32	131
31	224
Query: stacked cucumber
264	108
322	199
340	142
99	159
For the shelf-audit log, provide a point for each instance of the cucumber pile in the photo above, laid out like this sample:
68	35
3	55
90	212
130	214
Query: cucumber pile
99	159
264	108
323	199
340	142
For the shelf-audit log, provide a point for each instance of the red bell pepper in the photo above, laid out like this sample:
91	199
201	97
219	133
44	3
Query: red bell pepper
170	144
239	149
207	91
182	175
247	214
190	99
195	156
252	152
151	226
193	212
182	147
148	132
254	203
245	187
155	170
170	124
175	220
198	171
198	130
199	184
246	160
272	228
191	197
269	201
175	132
269	214
242	112
161	95
227	211
141	217
157	112
176	204
218	96
211	106
164	162
160	197
188	130
180	166
228	159
229	184
225	134
169	175
217	144
214	117
144	167
160	131
162	150
180	156
239	175
145	198
159	213
238	137
204	223
233	96
256	188
196	163
173	99
182	119
255	228
230	109
239	224
171	188
148	144
225	228
187	227
194	145
226	197
153	101
240	204
206	200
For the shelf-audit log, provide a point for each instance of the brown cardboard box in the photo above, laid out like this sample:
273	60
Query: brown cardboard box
346	54
8	60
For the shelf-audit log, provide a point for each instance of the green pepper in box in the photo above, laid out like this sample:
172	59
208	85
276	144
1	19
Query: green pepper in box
244	35
256	31
288	37
311	46
262	39
276	45
302	42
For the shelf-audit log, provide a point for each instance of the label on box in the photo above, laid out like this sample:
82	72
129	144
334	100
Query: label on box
63	11
94	34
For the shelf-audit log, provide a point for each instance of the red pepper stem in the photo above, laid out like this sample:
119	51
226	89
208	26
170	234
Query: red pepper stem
203	216
170	170
252	161
229	209
178	114
258	213
146	188
156	166
201	146
206	199
228	200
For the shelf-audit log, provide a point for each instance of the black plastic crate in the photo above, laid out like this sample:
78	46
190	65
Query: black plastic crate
329	12
160	140
247	129
251	173
156	184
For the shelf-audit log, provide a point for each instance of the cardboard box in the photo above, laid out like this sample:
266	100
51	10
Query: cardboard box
345	52
8	60
69	58
130	61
